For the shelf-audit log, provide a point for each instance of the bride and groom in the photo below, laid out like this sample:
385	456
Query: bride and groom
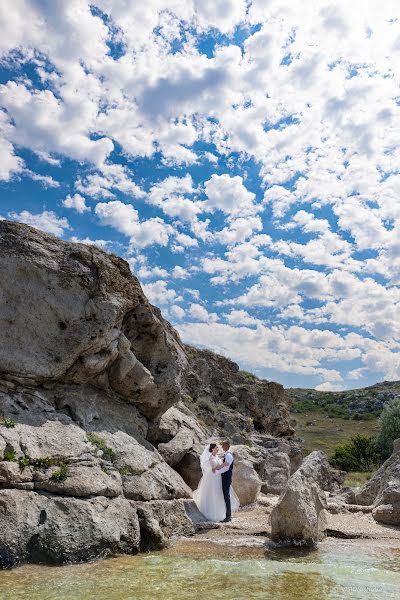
215	497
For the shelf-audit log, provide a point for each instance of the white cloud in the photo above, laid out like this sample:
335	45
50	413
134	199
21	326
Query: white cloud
77	203
159	293
46	221
109	179
102	244
125	218
198	312
327	386
46	180
229	195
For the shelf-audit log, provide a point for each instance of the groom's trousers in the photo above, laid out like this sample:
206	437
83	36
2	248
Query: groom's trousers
226	489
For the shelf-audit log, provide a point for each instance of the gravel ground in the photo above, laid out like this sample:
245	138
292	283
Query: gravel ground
250	526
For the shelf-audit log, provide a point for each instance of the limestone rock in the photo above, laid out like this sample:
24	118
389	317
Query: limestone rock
275	471
84	481
145	474
160	521
298	517
383	490
87	321
36	528
189	469
245	480
174	450
213	380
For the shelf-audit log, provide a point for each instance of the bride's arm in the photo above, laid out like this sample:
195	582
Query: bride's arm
213	462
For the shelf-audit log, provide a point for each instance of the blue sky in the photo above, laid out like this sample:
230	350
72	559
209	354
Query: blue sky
242	156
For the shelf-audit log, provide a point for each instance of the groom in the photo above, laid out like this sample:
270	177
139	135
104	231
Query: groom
226	470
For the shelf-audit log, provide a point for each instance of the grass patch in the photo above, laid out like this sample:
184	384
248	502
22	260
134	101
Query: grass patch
248	376
9	456
23	462
327	433
61	474
100	443
6	422
44	462
125	471
357	478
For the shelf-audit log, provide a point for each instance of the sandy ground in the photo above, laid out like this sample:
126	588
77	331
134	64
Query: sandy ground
251	527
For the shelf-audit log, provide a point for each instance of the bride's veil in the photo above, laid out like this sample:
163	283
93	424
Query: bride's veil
205	459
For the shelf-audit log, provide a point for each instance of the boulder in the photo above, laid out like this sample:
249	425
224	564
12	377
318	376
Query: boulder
274	471
160	521
383	490
245	480
43	529
298	517
174	450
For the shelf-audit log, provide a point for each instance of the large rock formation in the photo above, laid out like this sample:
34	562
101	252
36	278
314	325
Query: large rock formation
86	363
73	314
237	401
100	412
298	517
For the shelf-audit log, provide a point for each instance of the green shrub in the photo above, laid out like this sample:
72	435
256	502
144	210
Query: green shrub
9	456
389	428
206	404
100	443
358	454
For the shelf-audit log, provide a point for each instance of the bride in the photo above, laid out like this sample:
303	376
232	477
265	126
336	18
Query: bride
209	497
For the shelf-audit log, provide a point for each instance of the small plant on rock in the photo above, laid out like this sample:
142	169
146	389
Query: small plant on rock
23	462
61	474
6	422
100	443
9	456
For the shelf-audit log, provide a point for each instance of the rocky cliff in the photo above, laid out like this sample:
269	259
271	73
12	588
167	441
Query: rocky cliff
101	408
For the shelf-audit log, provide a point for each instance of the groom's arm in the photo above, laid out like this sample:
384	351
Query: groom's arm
226	464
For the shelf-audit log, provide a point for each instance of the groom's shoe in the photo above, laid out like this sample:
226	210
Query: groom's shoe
226	520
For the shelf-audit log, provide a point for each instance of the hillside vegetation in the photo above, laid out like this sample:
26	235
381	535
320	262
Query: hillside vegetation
358	404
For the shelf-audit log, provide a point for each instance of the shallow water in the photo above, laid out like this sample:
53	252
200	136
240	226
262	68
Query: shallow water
201	570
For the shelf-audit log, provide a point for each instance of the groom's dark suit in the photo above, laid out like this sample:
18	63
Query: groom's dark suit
226	487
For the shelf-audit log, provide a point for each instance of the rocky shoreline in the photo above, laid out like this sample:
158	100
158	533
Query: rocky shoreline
102	409
103	414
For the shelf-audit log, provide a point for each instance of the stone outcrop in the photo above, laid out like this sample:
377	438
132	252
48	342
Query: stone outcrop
237	401
71	313
86	364
382	492
102	408
56	530
298	517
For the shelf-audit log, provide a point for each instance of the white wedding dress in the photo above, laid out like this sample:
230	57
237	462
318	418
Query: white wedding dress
208	496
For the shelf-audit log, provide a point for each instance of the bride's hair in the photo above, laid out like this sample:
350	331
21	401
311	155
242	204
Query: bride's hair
211	447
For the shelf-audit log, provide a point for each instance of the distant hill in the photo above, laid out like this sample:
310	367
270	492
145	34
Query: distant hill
359	404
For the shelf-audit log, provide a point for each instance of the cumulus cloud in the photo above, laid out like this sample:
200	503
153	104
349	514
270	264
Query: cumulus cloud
77	203
254	143
46	221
